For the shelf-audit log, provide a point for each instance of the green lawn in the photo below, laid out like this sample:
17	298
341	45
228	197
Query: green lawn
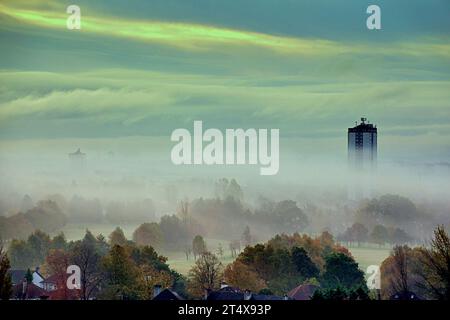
369	256
363	255
178	262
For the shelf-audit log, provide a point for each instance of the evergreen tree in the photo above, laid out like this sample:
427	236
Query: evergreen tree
5	277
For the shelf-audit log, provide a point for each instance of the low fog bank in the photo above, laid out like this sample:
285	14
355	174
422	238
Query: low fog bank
309	194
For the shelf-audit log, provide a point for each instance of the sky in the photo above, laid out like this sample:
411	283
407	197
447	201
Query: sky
140	69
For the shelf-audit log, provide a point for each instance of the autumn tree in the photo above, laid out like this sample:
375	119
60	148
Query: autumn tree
57	262
121	276
5	277
400	279
117	237
436	265
86	255
148	234
146	255
399	272
149	277
206	274
240	275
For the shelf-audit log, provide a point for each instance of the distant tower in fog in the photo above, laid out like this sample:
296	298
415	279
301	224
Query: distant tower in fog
362	146
362	159
77	160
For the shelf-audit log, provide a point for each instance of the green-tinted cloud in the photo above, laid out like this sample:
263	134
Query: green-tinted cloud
190	36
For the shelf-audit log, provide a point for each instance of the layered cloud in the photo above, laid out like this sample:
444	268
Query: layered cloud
127	75
155	103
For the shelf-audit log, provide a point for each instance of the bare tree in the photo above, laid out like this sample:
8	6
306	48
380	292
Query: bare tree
206	274
87	258
399	282
435	273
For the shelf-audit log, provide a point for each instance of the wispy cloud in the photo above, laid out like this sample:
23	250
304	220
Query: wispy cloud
198	37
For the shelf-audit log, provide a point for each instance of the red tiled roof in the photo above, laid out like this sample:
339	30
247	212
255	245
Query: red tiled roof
302	292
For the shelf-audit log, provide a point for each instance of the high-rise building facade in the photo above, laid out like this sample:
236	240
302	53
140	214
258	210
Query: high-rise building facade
362	159
362	146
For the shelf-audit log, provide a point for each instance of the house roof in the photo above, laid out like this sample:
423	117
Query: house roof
267	297
51	279
38	273
408	295
168	294
32	291
302	292
226	293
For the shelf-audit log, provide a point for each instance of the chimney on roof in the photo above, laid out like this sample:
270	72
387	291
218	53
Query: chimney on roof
207	292
24	288
223	284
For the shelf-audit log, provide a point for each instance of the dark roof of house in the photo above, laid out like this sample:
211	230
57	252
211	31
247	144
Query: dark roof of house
302	292
226	293
168	294
32	292
230	293
408	295
267	297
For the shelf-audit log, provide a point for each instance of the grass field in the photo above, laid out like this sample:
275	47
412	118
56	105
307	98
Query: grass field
369	256
365	256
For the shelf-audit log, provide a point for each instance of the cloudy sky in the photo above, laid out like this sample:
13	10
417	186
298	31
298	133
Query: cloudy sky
310	68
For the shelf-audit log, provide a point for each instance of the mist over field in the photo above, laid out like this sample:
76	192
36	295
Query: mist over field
136	177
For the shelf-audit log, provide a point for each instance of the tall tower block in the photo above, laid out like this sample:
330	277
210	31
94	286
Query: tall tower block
362	159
